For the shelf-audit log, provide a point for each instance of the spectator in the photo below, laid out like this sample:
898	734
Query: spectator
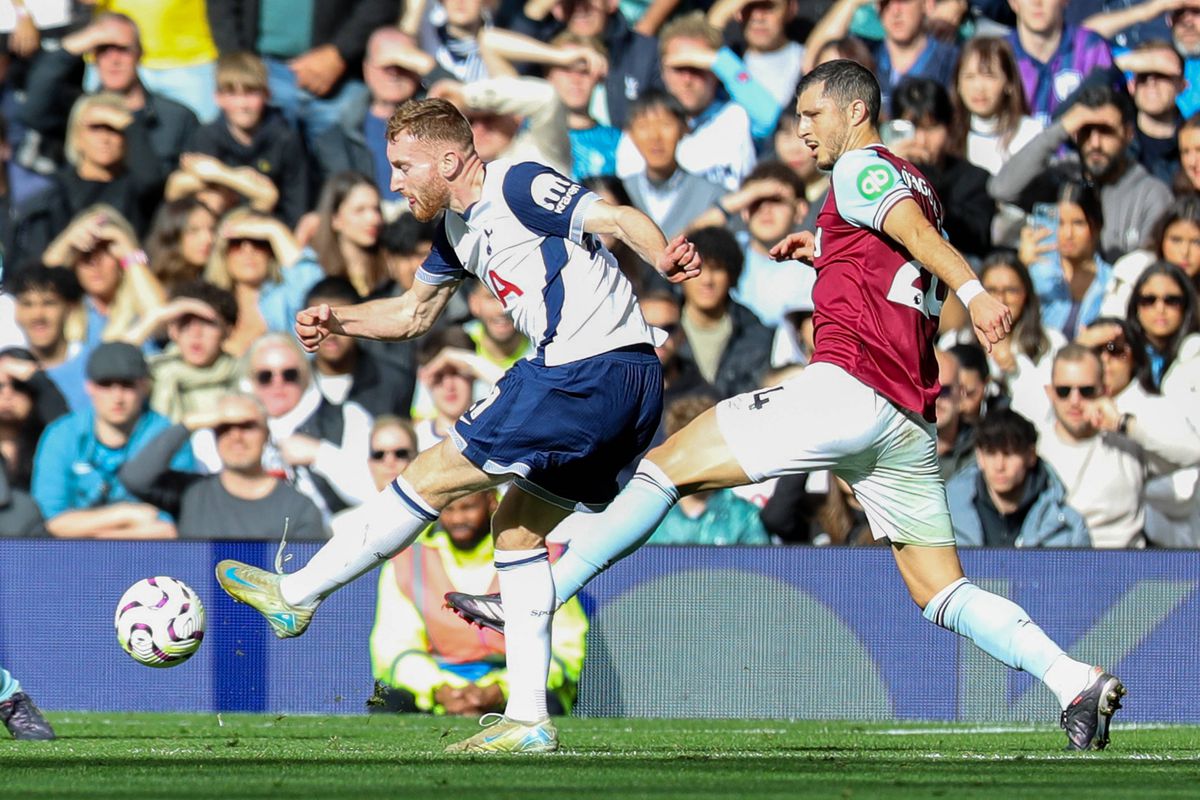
44	299
633	57
259	260
424	657
320	447
113	43
240	501
1156	81
194	372
960	185
1174	239
19	514
1054	58
848	47
393	447
221	187
1162	318
449	372
955	436
907	49
681	378
517	118
991	117
347	236
1109	338
575	68
1103	457
725	341
717	142
1100	124
492	331
771	57
1020	363
109	161
181	241
75	469
1188	179
28	402
180	56
1009	497
393	70
9	203
666	191
708	518
451	33
1070	281
101	249
770	204
791	150
249	133
313	53
972	382
343	370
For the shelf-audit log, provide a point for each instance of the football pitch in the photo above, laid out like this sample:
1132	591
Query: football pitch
236	756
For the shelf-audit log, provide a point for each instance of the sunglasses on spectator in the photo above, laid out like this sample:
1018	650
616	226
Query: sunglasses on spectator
244	426
1151	300
1116	348
402	453
236	242
17	385
265	377
1086	392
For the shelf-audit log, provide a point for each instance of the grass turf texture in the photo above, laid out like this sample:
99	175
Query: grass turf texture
178	755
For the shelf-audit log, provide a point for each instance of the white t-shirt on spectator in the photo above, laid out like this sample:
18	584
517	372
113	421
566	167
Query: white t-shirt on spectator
984	148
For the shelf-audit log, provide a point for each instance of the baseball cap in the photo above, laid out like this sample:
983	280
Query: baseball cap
116	361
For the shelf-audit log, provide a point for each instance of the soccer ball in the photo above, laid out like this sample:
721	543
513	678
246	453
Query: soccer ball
160	622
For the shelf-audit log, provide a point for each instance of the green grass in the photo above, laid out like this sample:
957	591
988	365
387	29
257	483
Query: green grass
174	755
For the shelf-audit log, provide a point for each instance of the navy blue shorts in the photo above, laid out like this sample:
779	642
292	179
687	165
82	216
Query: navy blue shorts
565	432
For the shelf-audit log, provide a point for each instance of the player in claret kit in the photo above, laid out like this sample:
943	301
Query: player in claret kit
864	408
560	425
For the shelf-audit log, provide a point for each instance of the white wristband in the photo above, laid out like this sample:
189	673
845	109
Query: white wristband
969	291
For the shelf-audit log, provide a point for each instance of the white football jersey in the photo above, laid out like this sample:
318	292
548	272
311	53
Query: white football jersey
524	239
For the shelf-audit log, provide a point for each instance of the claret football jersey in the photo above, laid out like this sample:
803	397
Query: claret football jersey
524	239
876	308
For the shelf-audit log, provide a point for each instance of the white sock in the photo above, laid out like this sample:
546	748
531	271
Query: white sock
1068	677
615	532
1003	630
527	590
396	516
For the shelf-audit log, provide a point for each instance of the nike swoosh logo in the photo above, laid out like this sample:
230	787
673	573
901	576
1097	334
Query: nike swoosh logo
231	574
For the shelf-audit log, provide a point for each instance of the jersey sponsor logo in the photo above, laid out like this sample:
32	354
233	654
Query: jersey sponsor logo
552	192
874	180
503	288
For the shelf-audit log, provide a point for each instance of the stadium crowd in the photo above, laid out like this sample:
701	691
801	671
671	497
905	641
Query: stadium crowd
181	177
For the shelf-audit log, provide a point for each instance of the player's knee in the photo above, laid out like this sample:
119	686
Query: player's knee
518	538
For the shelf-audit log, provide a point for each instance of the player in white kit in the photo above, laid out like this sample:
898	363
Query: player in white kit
560	425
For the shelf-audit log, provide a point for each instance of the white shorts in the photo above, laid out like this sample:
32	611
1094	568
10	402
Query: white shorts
826	419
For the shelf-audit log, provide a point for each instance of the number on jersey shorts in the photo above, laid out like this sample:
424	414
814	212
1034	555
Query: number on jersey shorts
825	419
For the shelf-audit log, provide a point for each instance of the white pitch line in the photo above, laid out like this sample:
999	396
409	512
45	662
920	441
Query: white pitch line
975	729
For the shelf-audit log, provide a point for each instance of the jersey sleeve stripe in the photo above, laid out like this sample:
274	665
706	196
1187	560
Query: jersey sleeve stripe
577	216
886	204
434	278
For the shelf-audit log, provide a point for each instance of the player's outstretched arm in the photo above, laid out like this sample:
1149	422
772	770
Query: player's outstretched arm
906	223
408	316
677	261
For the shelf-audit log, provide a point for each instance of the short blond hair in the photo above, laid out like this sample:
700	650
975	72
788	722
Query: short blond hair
432	120
75	119
241	70
690	26
216	271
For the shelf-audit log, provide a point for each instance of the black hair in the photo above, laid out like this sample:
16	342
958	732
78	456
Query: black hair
1187	323
971	358
337	289
608	183
845	81
718	249
220	300
1005	431
775	170
402	235
1137	354
1027	331
438	339
656	100
36	277
1088	200
1098	95
920	99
